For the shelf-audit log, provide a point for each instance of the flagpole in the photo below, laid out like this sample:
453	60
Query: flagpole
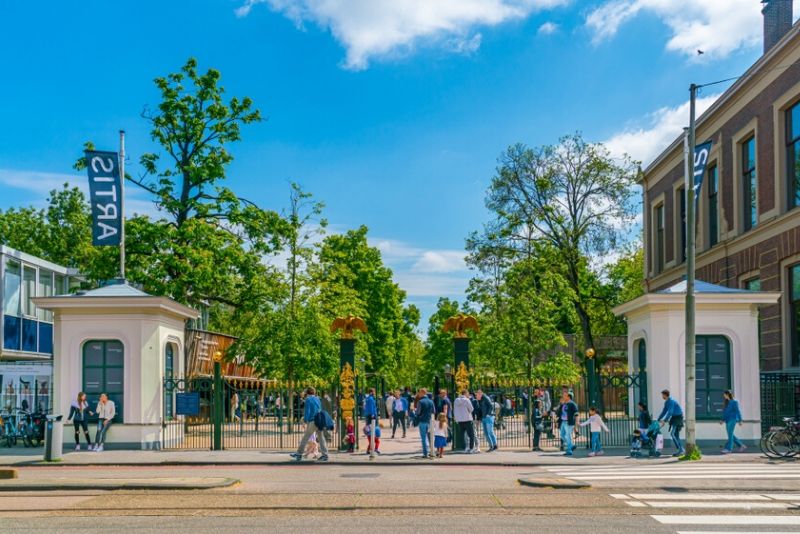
690	266
122	203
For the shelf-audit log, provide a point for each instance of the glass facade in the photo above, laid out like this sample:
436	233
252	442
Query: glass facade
25	328
749	184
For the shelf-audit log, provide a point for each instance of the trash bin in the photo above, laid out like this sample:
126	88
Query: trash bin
53	438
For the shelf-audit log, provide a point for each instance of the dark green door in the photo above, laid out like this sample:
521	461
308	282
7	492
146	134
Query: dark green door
104	372
712	374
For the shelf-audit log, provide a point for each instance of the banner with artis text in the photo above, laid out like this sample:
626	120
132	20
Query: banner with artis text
105	195
701	153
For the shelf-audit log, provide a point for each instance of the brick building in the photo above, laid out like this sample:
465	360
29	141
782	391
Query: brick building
748	217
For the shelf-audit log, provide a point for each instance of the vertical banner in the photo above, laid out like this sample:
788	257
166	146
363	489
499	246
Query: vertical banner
701	153
105	195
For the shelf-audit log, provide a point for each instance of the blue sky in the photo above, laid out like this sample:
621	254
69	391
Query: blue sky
392	112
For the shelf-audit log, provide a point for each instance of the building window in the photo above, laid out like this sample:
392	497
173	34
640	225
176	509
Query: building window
754	284
104	372
794	313
28	291
45	290
793	155
682	211
659	225
12	322
713	375
749	183
169	373
713	206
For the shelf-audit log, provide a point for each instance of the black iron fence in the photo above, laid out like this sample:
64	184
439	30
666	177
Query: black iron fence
780	397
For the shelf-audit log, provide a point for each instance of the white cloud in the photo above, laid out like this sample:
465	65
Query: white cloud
422	285
440	261
645	143
718	27
41	183
377	28
548	28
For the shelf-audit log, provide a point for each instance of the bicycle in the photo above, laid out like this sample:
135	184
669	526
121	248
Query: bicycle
782	442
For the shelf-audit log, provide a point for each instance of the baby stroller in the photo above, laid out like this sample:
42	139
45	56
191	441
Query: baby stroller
651	440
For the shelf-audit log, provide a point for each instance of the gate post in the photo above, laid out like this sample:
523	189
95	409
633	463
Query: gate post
347	372
217	412
458	325
592	382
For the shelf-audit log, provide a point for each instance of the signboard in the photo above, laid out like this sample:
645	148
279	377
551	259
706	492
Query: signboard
187	403
105	195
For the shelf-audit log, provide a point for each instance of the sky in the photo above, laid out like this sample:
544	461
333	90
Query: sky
392	112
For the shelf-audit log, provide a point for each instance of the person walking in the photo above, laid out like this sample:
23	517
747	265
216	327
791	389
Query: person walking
235	416
568	417
398	413
485	415
462	412
537	418
731	416
79	415
673	414
423	413
595	424
106	410
388	405
312	407
370	406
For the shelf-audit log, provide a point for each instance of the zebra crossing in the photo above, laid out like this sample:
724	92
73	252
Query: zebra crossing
765	512
677	470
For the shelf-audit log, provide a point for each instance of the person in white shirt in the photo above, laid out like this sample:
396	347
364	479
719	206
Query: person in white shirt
105	413
595	423
462	413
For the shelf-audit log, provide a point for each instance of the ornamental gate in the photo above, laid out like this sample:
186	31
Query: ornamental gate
252	414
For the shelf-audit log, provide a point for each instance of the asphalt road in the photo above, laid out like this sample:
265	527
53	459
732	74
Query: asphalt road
374	498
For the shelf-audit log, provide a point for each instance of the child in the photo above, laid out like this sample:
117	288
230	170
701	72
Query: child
350	438
636	444
440	435
596	423
312	447
368	433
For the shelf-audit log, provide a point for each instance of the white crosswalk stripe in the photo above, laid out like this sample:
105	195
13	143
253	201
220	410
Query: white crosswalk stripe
676	470
758	503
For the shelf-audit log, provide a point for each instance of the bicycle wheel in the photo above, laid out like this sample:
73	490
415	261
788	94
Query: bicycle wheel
764	444
782	444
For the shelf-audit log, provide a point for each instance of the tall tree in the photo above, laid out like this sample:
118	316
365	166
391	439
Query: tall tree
208	247
574	197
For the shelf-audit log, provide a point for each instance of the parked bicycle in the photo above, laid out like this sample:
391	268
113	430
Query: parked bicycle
782	442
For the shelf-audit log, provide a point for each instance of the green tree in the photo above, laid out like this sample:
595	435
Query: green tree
207	249
573	197
439	344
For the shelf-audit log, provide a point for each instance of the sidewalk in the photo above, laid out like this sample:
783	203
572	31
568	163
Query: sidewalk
31	457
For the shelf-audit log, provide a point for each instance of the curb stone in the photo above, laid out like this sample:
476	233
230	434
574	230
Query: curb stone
553	483
88	484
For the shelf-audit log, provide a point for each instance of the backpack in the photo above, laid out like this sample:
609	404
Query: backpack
323	420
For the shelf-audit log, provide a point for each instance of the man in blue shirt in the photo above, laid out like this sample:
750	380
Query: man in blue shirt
370	406
424	413
444	404
673	414
312	407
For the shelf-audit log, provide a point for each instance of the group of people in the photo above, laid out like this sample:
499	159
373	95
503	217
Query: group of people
437	417
79	414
